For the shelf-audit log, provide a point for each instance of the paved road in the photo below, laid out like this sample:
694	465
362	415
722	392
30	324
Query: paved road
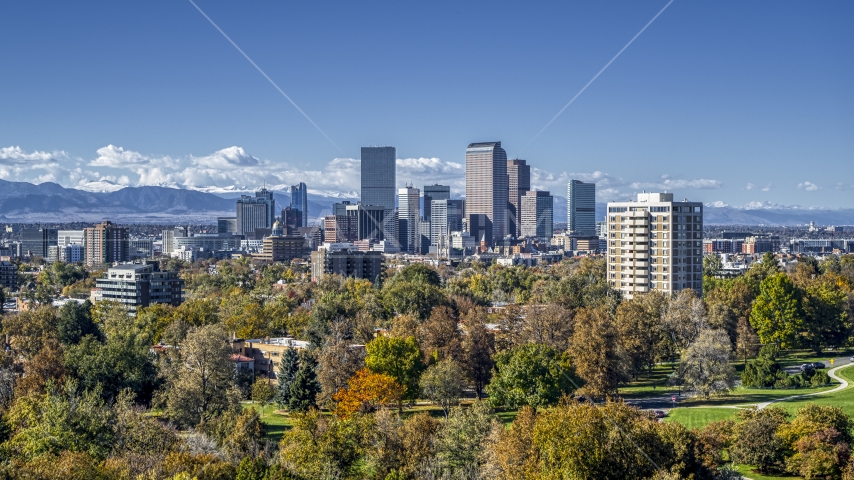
664	402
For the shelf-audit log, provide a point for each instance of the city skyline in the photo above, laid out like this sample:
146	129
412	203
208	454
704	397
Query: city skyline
720	97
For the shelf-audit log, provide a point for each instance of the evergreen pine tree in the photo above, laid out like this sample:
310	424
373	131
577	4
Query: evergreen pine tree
285	377
305	387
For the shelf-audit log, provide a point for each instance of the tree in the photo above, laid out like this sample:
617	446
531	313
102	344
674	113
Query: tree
712	265
62	419
202	386
338	363
533	374
638	324
399	358
826	311
596	353
756	441
419	272
367	392
439	335
705	364
75	322
777	315
262	393
461	439
549	325
246	437
478	348
442	384
122	361
747	342
684	318
305	387
319	446
285	376
30	330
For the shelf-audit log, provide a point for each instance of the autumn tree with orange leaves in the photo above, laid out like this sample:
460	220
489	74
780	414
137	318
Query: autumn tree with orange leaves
367	392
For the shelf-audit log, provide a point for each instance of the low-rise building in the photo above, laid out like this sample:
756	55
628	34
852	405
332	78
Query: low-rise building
283	248
137	286
345	260
8	275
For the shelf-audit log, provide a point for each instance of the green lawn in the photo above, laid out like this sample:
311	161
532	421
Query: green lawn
699	417
748	472
276	423
843	399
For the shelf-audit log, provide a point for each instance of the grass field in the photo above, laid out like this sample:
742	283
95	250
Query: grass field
698	417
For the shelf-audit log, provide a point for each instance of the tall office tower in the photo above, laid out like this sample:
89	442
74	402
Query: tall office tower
255	212
378	176
226	225
519	182
299	202
371	221
291	219
581	208
434	192
537	215
35	242
106	243
408	215
340	228
486	191
168	238
655	244
340	208
447	217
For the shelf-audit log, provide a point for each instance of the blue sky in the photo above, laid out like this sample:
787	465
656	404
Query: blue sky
735	102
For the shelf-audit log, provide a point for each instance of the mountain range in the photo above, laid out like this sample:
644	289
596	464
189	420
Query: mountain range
51	202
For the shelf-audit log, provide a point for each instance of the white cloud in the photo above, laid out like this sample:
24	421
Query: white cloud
767	187
675	184
717	204
750	186
808	186
17	156
227	158
117	157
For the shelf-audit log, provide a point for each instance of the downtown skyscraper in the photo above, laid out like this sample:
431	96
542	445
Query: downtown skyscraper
581	208
486	191
255	212
519	182
379	176
409	215
299	203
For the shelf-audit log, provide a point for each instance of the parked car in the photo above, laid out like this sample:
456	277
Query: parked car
806	367
818	365
660	413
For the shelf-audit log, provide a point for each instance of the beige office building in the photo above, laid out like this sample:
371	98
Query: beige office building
655	243
486	191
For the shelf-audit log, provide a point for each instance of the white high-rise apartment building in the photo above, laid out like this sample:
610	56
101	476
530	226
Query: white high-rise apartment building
487	191
655	243
408	216
581	208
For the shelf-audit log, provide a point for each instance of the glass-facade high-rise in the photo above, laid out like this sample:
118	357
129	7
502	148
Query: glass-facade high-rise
447	217
255	212
537	215
581	208
299	202
434	192
378	176
408	216
518	183
486	191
